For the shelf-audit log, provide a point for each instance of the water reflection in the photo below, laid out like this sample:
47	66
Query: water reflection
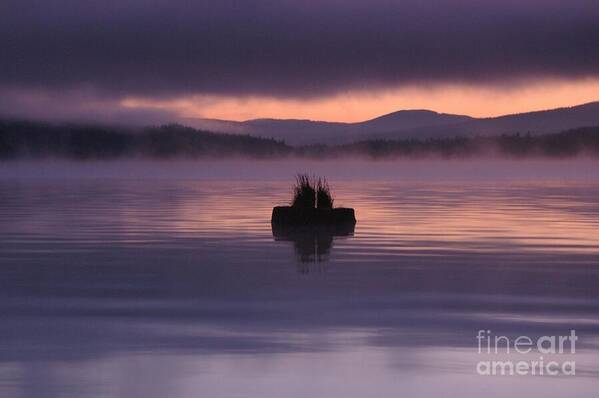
312	243
119	288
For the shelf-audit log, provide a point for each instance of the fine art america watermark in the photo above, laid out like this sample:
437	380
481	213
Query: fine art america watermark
523	355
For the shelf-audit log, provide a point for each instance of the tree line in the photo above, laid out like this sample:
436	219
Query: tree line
20	139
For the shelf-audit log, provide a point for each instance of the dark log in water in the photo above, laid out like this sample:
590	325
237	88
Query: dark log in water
288	215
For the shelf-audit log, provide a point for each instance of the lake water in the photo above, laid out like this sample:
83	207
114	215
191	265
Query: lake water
177	288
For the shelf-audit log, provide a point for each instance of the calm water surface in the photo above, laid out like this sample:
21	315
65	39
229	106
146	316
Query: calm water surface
178	288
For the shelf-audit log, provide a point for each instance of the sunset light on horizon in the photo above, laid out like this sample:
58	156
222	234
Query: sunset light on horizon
357	106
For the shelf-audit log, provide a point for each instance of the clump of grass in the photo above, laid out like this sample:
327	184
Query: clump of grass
304	194
310	192
324	198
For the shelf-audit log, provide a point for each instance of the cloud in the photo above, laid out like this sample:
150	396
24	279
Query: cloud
290	49
82	105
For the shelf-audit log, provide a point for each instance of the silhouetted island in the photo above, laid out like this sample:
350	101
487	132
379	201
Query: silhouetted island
312	205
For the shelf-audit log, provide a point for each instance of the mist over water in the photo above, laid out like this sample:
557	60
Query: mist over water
580	169
170	273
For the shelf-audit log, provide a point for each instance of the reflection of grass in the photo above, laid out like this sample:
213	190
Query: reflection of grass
309	193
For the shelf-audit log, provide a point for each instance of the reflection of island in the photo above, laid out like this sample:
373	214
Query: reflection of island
312	243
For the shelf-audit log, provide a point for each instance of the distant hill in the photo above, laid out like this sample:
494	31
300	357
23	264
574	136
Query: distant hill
408	124
305	132
412	119
22	139
548	121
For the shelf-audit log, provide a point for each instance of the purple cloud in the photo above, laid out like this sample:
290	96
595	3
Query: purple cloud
290	48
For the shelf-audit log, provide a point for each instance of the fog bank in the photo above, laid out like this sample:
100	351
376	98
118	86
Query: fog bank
580	169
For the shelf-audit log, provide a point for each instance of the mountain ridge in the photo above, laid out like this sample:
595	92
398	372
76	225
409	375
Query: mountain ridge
410	123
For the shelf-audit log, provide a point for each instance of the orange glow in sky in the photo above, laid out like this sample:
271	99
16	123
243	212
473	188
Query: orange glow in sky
356	106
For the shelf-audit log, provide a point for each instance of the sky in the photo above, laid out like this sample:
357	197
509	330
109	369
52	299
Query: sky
340	60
